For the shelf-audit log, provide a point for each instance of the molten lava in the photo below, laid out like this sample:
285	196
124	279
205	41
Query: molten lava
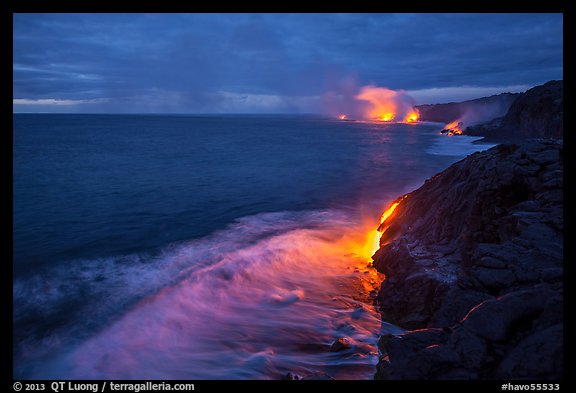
372	243
389	116
412	117
388	212
387	105
383	225
453	128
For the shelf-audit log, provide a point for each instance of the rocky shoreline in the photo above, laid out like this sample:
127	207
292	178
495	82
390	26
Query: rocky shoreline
493	106
474	270
536	113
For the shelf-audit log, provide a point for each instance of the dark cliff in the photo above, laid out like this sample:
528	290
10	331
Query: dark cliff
482	109
473	262
537	113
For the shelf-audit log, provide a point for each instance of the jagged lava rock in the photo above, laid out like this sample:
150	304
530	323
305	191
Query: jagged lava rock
478	251
340	345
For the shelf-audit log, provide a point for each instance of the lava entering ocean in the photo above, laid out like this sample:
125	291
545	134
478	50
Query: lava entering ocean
453	128
387	105
372	243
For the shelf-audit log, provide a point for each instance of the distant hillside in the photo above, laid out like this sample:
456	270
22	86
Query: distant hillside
537	113
477	110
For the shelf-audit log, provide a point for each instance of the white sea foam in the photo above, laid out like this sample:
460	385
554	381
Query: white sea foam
457	146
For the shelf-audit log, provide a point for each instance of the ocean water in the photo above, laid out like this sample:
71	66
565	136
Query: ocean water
204	247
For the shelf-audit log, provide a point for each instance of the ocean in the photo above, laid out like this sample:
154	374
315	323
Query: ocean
205	247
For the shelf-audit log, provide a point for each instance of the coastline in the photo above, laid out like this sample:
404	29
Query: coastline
473	265
114	290
246	244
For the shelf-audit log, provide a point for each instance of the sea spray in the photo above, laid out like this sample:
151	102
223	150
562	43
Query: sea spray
262	304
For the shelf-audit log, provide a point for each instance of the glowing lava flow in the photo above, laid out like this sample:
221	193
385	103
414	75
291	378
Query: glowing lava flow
387	105
389	116
388	212
453	128
412	117
373	238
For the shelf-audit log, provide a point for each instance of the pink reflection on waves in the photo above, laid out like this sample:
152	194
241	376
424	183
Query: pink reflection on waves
261	311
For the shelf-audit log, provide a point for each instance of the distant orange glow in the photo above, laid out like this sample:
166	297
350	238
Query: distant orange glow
382	102
388	116
456	131
412	117
453	128
342	117
387	105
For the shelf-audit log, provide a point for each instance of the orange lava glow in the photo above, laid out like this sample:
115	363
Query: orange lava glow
455	132
412	117
342	117
371	242
454	128
370	245
389	116
387	105
382	102
388	212
363	244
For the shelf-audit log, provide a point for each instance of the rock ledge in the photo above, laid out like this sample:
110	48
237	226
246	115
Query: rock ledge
473	265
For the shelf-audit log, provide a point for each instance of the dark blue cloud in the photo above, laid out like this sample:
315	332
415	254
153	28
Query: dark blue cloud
270	62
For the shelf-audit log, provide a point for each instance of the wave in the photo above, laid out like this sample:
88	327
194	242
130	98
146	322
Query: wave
457	146
263	297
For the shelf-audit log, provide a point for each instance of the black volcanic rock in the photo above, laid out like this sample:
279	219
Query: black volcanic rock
340	345
487	108
539	356
473	261
537	113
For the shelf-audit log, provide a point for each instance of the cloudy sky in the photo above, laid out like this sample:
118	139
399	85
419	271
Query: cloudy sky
268	63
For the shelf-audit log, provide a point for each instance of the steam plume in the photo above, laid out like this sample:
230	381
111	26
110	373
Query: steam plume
384	104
